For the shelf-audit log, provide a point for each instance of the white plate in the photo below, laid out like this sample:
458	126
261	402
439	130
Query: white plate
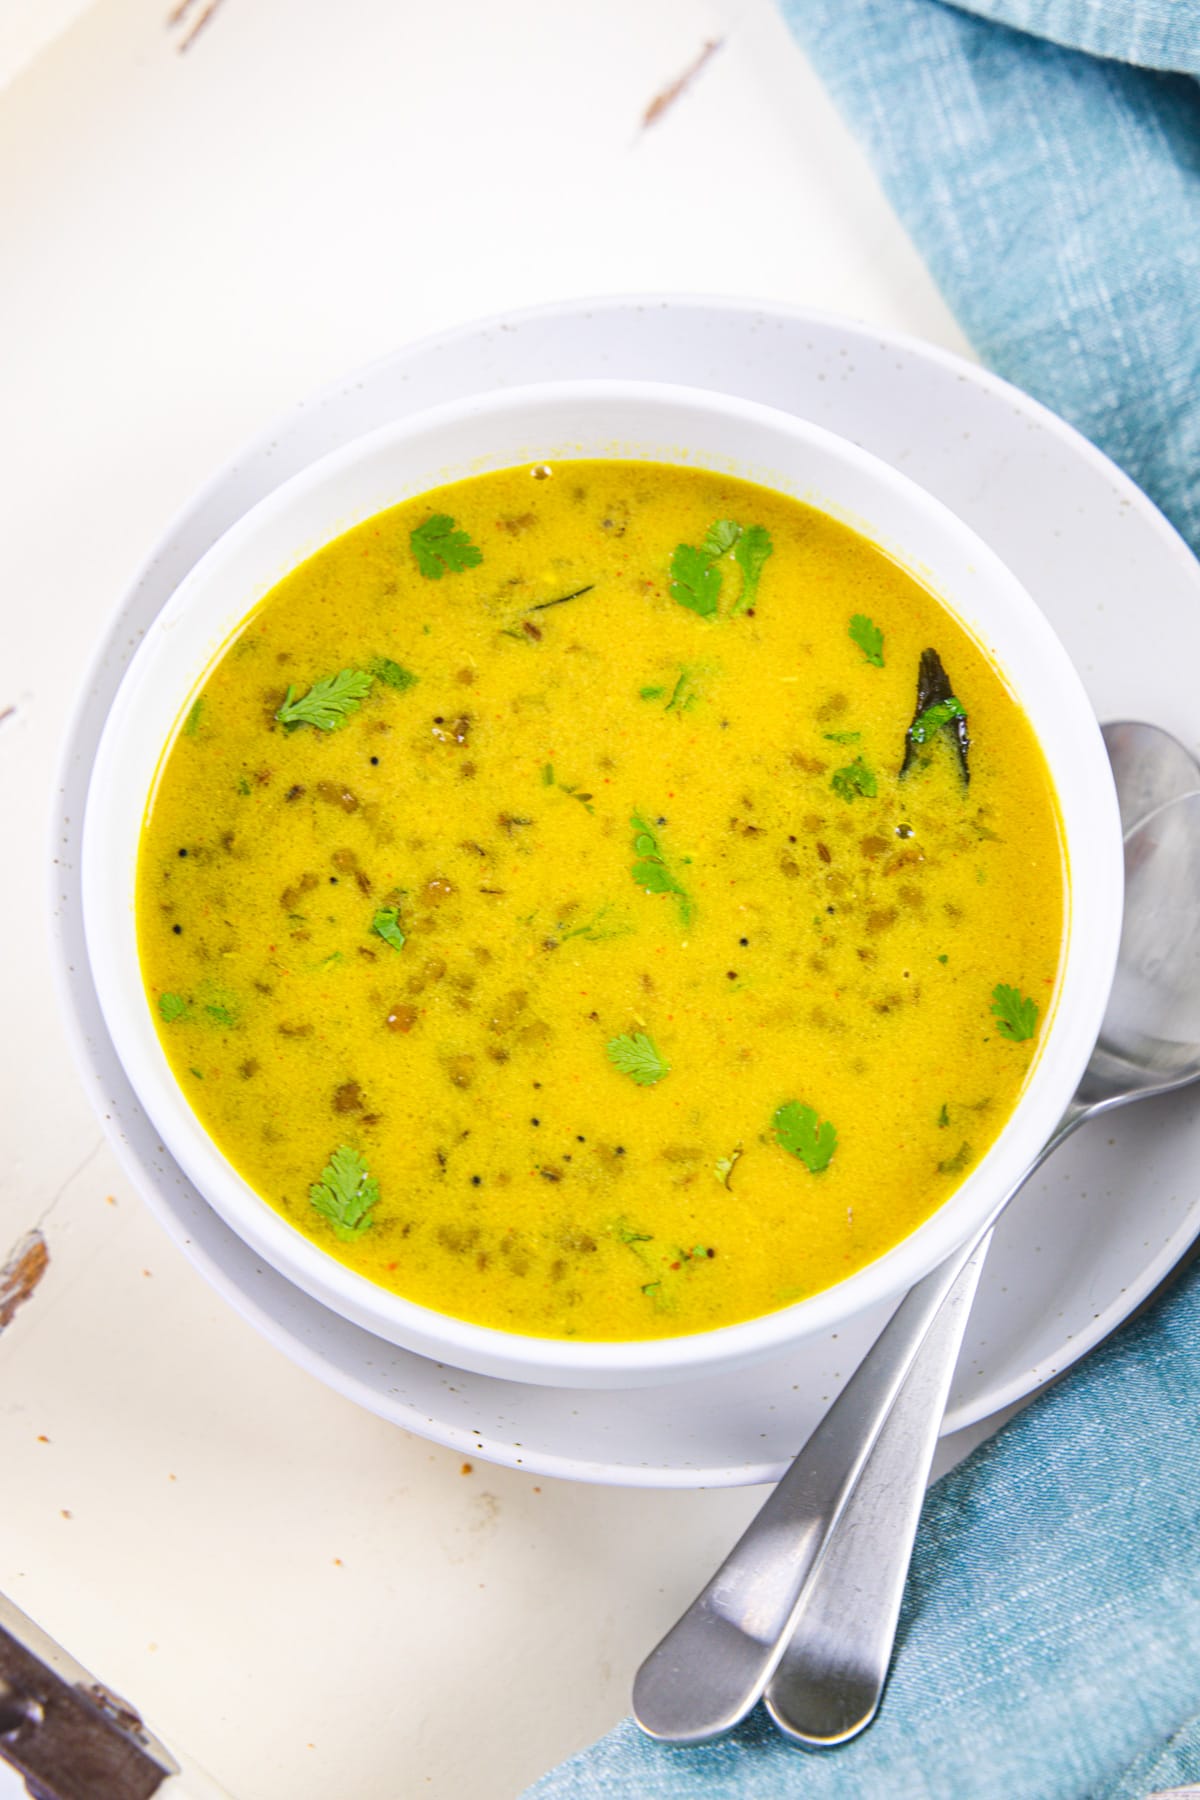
1114	1209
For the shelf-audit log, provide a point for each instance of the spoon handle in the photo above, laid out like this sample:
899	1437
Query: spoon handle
715	1662
831	1679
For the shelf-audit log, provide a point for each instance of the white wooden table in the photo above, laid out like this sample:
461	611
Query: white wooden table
192	236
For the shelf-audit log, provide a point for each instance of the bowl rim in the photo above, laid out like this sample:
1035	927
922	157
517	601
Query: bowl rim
1069	1031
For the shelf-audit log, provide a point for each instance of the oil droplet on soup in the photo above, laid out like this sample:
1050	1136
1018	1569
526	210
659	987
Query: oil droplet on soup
605	901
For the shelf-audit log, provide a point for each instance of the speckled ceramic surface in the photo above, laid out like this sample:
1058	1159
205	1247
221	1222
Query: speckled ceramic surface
1110	1214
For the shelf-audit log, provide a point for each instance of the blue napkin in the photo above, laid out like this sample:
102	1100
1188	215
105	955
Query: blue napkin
1045	156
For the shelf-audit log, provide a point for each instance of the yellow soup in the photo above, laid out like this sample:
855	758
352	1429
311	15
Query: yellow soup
603	902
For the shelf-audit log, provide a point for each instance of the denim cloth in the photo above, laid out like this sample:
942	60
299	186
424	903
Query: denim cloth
1049	1645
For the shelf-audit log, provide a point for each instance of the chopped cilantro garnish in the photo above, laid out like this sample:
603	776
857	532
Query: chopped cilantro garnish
386	924
243	786
192	723
651	693
944	1117
954	1165
345	1194
220	1015
933	718
798	1131
328	702
437	547
1016	1015
695	583
695	578
172	1007
856	778
393	674
547	774
650	871
750	553
867	635
634	1055
841	737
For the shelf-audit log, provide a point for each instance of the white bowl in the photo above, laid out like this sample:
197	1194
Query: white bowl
639	421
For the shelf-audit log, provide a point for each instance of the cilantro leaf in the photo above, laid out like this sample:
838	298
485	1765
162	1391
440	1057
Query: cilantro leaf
328	702
650	871
720	538
934	717
345	1194
634	1055
1015	1014
437	547
386	924
798	1131
220	1014
856	778
841	737
172	1007
192	723
750	553
695	583
393	674
867	635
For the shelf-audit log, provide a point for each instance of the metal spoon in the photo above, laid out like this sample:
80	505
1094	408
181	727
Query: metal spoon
831	1680
713	1665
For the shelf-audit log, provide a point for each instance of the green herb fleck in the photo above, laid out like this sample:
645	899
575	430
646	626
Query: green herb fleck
720	538
750	553
386	924
634	1055
856	778
192	723
651	693
954	1165
841	737
650	1289
221	1015
944	1117
243	785
345	1194
724	1167
1016	1015
650	871
695	583
172	1007
933	718
328	703
943	959
547	774
196	1073
867	635
393	674
798	1131
437	547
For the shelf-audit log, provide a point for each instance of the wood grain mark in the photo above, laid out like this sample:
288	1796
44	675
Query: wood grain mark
21	1274
666	97
178	16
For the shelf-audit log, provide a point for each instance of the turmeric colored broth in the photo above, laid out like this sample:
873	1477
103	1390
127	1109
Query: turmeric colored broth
659	935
